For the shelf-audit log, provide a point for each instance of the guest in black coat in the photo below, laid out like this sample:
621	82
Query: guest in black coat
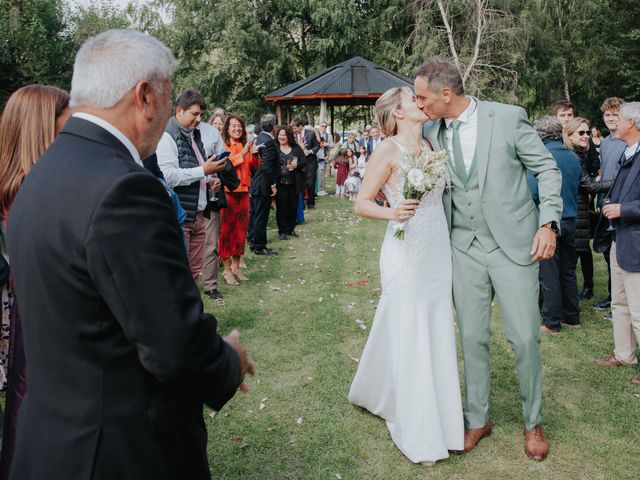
120	356
576	137
306	138
290	183
263	186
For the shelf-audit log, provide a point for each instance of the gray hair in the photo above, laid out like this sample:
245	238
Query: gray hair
441	73
631	110
268	122
548	128
110	64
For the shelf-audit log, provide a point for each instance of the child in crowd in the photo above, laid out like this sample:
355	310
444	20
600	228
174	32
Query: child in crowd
362	160
341	163
352	186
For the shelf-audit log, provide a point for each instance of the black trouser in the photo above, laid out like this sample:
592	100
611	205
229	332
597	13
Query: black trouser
310	182
607	259
586	264
259	207
286	208
558	284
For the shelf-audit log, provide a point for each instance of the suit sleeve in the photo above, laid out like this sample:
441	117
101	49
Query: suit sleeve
314	145
270	158
537	159
229	177
138	263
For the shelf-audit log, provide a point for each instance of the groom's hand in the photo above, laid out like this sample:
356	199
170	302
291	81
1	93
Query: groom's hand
544	244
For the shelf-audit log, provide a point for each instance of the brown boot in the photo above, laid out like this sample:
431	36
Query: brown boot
472	436
535	444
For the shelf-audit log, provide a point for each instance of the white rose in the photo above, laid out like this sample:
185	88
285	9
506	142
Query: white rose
416	178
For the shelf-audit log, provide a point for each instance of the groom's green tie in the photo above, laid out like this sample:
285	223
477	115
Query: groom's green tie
458	159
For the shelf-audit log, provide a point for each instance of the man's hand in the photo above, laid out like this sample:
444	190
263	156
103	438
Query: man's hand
211	166
246	362
611	211
544	244
274	190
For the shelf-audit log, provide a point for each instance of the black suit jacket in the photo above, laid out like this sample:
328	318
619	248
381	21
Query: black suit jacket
313	145
120	356
267	174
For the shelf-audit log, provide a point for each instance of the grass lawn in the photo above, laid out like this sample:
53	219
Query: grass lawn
300	316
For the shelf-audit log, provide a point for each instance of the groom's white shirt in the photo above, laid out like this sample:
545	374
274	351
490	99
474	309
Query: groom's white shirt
468	133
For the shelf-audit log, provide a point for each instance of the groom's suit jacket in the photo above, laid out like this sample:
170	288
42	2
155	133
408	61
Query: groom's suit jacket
120	356
507	146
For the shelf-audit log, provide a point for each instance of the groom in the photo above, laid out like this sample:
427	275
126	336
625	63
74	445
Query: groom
496	236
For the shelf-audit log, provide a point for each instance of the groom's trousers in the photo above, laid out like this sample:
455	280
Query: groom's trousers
477	275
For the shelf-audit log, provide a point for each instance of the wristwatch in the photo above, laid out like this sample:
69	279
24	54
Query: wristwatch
553	225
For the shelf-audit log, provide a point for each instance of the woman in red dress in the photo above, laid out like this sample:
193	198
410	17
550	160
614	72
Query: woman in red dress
234	220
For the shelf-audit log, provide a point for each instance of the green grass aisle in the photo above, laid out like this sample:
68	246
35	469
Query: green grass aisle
302	316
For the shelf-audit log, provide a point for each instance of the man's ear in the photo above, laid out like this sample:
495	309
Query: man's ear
145	97
447	94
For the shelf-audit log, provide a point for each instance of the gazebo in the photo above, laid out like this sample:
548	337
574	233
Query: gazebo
353	82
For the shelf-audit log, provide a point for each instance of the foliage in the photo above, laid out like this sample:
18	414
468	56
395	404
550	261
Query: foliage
236	51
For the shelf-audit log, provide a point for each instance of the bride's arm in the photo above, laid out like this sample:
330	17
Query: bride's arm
378	172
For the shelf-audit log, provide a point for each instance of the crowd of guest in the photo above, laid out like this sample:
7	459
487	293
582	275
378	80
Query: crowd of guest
601	213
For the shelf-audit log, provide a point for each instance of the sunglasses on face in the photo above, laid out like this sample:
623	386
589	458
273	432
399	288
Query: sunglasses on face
582	133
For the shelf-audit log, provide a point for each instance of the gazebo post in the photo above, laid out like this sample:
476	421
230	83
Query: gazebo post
279	113
332	130
323	110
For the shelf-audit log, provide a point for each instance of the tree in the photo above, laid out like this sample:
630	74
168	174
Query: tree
484	41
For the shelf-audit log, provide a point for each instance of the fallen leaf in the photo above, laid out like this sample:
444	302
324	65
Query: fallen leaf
213	414
320	299
236	438
355	359
275	289
338	476
270	313
263	403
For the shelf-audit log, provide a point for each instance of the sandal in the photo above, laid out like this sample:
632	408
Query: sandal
230	279
240	276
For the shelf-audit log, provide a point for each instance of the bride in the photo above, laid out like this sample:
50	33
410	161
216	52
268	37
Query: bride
408	373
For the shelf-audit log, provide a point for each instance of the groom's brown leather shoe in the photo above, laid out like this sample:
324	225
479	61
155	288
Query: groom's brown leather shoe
535	444
472	436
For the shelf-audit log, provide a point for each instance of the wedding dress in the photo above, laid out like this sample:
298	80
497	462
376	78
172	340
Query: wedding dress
408	371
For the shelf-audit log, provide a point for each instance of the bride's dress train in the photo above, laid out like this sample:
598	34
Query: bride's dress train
408	372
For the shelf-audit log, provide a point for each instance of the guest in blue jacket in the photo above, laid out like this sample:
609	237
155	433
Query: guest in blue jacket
622	211
559	302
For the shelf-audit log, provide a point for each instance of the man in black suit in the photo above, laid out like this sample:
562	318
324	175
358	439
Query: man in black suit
306	138
622	211
120	356
263	186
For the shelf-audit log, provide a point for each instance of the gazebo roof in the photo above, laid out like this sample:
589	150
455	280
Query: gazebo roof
353	81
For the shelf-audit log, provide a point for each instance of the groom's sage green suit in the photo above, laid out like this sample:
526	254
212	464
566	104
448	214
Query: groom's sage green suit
492	220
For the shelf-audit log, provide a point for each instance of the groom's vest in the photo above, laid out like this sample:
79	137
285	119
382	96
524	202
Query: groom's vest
467	219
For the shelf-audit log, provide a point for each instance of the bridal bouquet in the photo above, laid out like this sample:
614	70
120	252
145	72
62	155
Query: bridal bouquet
420	172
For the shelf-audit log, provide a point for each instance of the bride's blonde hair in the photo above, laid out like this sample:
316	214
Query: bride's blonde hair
386	104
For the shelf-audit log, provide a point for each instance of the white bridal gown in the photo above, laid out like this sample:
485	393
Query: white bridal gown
408	372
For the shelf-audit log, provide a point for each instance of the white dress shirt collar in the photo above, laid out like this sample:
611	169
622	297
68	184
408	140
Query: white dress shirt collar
465	116
113	131
631	150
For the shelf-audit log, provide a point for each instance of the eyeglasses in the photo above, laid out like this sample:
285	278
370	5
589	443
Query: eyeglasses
582	133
